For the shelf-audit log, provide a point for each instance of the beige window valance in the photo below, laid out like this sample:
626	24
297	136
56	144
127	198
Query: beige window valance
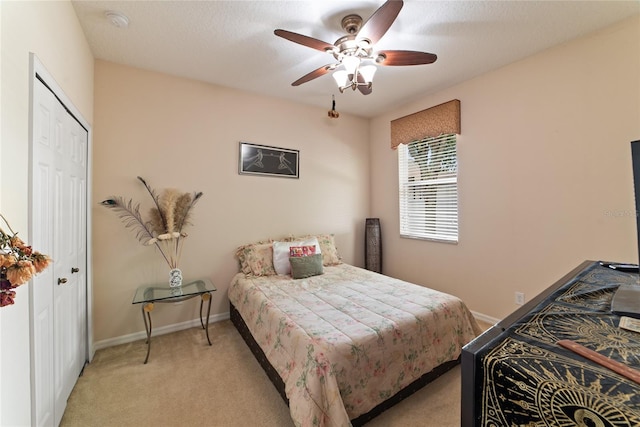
429	123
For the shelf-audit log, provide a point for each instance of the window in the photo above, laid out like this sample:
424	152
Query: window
428	178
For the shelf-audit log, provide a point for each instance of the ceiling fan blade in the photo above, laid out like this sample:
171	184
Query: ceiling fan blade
404	57
314	74
365	90
378	24
305	40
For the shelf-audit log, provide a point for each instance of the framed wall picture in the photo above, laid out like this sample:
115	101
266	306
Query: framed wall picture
271	161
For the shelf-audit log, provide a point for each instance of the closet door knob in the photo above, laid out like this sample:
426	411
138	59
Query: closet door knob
74	269
62	280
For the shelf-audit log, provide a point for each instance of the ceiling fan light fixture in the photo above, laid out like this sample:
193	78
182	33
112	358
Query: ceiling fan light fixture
342	78
351	64
367	72
357	47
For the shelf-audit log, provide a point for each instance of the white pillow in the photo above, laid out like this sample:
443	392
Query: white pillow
281	253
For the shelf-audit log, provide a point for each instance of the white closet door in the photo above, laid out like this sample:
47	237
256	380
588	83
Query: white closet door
59	230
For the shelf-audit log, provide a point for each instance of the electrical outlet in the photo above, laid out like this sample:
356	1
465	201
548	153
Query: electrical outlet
520	298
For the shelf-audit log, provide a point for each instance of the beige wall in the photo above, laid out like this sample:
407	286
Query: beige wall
185	134
51	30
545	177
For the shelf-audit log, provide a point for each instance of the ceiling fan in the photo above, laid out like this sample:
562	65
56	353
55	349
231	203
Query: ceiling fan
356	52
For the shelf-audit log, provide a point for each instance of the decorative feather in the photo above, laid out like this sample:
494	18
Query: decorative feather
168	199
155	223
186	211
130	216
183	204
156	199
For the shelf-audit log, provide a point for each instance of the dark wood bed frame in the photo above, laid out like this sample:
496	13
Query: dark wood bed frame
273	375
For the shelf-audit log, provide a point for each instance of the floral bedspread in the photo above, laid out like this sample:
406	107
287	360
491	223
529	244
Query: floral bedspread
347	340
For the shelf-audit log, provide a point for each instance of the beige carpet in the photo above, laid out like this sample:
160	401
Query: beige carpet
188	383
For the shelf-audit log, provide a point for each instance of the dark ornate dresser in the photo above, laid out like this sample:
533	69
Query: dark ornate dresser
515	374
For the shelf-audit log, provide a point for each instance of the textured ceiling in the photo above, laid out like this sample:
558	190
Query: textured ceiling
231	43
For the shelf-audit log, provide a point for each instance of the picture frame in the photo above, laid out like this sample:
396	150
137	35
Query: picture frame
255	159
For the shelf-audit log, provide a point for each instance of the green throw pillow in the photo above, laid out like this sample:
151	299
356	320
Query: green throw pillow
306	266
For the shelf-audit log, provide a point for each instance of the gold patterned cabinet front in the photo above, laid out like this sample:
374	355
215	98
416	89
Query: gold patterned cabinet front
522	373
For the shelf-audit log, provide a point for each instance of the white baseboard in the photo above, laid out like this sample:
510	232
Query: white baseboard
156	331
124	339
485	318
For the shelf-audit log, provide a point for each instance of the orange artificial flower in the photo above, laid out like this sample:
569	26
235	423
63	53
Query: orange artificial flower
18	263
7	260
20	273
40	261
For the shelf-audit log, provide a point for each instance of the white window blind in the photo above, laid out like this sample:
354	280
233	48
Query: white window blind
428	183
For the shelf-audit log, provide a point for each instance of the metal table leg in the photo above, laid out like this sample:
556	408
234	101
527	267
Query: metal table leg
146	316
206	297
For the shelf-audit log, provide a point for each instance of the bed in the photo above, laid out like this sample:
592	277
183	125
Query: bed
343	345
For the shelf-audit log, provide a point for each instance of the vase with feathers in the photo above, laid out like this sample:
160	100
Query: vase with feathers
164	227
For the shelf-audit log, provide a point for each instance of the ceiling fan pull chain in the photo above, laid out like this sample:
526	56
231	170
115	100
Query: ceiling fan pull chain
333	113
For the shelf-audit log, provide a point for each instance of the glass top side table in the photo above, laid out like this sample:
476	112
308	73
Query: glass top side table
148	295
